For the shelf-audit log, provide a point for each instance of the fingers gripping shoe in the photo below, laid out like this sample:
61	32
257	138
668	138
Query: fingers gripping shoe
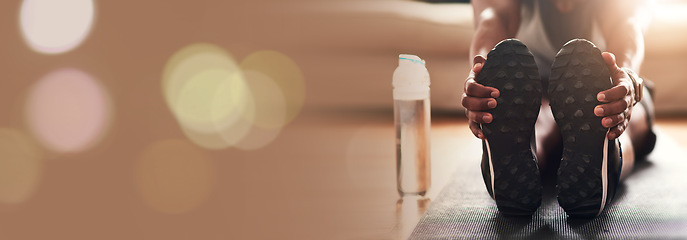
590	165
509	166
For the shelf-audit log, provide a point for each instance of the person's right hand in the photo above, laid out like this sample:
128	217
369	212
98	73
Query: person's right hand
478	98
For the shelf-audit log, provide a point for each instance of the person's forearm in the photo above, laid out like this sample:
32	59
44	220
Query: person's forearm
493	24
627	43
488	33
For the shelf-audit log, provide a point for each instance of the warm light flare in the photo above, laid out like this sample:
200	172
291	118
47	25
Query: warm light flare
220	104
56	26
68	111
20	166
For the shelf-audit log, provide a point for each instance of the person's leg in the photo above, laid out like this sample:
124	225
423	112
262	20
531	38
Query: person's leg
639	138
548	137
628	155
640	128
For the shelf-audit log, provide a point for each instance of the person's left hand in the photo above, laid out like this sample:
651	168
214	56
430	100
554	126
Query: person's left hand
618	100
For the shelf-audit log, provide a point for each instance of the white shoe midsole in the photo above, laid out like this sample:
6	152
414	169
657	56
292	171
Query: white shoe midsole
491	169
604	174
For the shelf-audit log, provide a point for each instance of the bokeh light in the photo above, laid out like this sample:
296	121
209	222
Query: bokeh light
56	26
68	111
219	104
284	72
239	129
212	99
190	61
269	111
270	103
205	90
20	166
173	176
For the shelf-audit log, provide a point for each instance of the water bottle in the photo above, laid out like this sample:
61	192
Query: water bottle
412	122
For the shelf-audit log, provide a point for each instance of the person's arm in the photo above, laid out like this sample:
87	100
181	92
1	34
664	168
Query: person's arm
495	20
621	24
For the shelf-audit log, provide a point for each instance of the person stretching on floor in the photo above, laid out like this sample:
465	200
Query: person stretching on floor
532	69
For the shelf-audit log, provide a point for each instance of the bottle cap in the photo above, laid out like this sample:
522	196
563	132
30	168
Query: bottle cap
411	79
410	58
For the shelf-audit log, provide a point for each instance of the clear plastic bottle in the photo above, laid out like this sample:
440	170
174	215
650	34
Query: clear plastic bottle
412	121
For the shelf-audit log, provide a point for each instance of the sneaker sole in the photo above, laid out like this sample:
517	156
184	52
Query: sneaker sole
515	180
578	74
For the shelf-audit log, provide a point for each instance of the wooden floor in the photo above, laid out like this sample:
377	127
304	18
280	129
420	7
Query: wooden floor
352	156
360	151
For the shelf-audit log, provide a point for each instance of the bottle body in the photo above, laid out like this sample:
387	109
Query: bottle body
412	122
413	169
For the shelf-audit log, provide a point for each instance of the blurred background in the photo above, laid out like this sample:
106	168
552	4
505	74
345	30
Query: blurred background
215	119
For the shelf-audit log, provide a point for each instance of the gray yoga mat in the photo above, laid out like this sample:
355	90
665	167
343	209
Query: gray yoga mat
651	203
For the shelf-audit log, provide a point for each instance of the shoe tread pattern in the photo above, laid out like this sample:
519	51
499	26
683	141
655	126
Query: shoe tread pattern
510	67
578	74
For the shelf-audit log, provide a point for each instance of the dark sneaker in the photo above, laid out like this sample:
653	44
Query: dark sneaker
509	165
590	165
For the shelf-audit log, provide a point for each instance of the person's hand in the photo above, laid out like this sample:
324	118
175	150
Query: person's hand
478	98
618	100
